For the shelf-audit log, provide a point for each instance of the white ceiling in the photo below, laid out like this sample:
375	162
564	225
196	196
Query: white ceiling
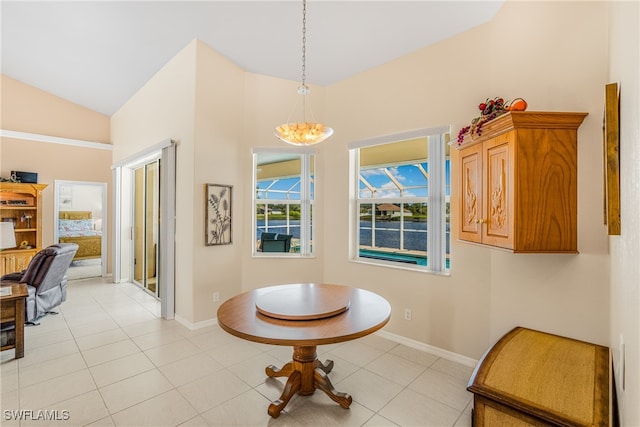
98	54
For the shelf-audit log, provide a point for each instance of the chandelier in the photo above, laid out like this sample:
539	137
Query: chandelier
303	133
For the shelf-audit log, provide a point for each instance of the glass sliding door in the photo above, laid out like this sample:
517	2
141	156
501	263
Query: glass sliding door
146	226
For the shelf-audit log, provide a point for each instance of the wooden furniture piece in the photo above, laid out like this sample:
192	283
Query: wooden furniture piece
518	183
21	204
12	313
366	313
12	260
531	378
79	227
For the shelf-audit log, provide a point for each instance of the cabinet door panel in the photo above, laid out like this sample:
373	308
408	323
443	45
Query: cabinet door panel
547	176
7	264
471	196
498	196
22	260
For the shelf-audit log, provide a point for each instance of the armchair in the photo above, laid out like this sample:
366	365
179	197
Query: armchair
273	245
46	279
265	236
275	242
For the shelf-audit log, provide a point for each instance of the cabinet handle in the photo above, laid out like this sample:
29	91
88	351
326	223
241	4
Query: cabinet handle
480	221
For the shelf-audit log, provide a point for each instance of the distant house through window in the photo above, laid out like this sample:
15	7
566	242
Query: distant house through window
283	202
401	199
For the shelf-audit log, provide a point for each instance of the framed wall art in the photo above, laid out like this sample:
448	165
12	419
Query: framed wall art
217	214
611	133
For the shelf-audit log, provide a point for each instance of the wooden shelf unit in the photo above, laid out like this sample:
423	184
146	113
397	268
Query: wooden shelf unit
21	203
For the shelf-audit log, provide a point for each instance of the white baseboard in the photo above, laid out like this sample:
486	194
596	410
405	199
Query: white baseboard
198	325
446	354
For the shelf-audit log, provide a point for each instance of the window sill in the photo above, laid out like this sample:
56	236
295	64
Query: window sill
271	255
399	266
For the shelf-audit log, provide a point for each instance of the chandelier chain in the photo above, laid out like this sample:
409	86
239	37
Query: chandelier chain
303	133
304	41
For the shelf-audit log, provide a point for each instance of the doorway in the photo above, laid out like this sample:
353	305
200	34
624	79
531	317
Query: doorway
156	246
79	209
146	220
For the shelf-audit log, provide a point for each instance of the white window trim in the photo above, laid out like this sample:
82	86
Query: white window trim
436	242
305	153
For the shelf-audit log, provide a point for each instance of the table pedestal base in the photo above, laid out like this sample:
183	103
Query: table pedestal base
305	374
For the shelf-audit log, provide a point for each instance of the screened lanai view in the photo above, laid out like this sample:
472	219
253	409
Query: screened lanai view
283	202
395	190
396	187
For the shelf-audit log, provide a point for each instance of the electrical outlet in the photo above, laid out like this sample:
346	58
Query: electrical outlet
216	296
407	314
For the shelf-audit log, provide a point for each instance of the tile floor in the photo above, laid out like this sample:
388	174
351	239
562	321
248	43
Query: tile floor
108	360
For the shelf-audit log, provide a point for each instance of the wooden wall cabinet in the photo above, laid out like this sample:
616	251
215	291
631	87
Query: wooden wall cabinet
22	204
518	183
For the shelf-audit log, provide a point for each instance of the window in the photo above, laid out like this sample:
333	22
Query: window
401	200
283	202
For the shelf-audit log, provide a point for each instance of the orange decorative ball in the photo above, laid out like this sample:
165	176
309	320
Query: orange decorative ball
517	104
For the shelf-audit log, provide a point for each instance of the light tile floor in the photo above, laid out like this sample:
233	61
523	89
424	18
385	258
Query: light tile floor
108	359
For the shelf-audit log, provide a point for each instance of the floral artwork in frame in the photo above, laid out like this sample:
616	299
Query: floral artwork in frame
218	214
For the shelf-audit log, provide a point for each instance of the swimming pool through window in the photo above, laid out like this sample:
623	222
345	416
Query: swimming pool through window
283	202
401	192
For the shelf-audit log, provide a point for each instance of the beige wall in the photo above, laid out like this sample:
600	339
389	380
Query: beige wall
218	138
268	103
489	291
535	50
165	108
217	113
31	110
624	45
28	109
560	68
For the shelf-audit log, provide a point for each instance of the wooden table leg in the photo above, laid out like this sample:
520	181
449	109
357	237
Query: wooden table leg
19	328
326	367
285	371
321	380
290	388
305	374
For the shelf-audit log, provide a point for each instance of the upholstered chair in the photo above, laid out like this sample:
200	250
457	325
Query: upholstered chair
46	279
275	242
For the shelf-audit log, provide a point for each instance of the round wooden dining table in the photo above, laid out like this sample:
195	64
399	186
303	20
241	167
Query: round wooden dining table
304	316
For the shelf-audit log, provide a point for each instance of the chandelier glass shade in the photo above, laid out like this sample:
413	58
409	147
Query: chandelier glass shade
305	132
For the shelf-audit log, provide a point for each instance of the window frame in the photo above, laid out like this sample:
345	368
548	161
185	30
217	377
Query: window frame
307	195
436	199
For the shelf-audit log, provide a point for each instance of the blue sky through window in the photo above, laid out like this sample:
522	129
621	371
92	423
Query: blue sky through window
409	176
279	189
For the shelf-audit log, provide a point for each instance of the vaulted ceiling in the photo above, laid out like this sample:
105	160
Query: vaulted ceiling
99	53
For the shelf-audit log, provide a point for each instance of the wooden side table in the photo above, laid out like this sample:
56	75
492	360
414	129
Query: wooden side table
12	311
